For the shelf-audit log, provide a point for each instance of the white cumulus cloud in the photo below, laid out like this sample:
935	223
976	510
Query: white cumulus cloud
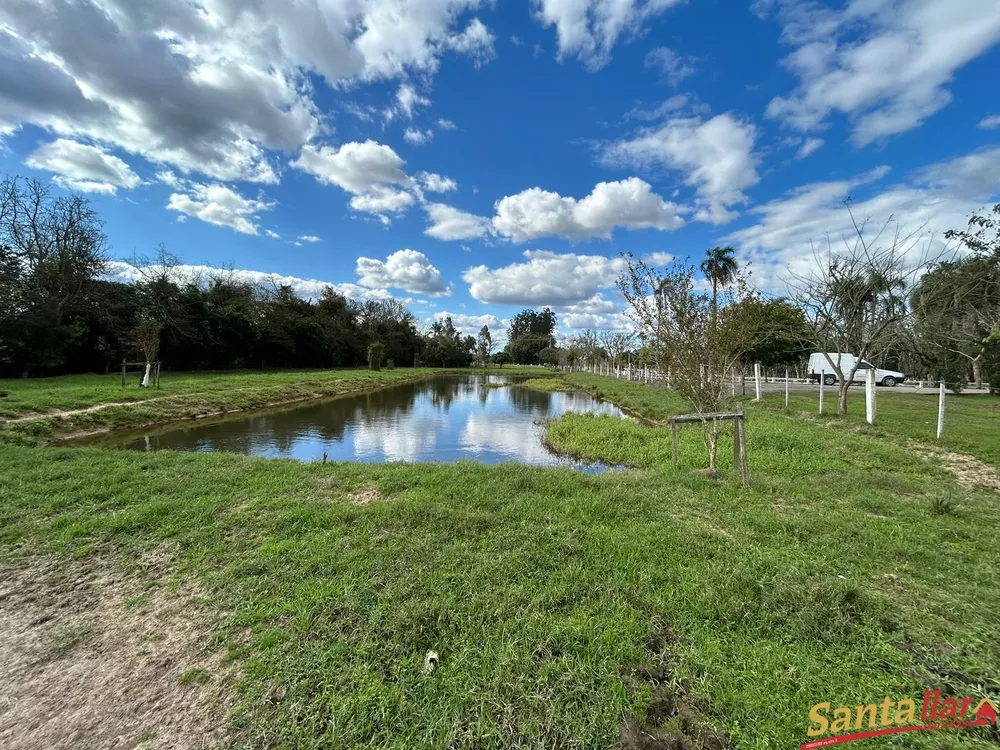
77	166
629	204
408	270
885	65
589	29
370	171
213	88
220	205
716	157
546	278
435	183
930	201
382	201
449	223
355	167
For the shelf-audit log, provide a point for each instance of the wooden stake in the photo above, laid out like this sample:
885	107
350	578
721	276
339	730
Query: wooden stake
123	373
786	387
736	447
743	451
673	441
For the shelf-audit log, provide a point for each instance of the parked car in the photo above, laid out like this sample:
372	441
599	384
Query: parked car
820	367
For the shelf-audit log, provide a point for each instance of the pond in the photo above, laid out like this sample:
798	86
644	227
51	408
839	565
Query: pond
442	419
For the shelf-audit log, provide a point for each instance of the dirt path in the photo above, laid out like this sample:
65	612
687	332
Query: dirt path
92	659
59	413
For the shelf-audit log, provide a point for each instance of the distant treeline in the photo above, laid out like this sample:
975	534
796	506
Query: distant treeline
58	314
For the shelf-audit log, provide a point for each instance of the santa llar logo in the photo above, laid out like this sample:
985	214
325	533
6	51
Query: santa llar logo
846	723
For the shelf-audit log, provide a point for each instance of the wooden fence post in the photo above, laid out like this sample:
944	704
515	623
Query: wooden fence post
744	461
673	440
736	447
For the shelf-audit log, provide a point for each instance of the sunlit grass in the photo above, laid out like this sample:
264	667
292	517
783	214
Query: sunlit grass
972	421
832	578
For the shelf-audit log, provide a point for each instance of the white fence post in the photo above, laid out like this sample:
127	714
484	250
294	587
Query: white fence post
822	389
786	387
870	396
940	424
756	377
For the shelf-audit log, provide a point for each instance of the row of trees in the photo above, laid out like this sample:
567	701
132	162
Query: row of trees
59	315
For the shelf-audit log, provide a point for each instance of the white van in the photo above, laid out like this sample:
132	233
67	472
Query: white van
820	367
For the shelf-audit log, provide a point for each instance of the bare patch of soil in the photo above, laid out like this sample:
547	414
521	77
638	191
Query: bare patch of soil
675	717
363	497
92	658
970	472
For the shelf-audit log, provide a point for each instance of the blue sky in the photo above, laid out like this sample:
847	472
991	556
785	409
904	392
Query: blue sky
474	158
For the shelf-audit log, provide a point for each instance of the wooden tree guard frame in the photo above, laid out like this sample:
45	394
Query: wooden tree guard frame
154	371
741	464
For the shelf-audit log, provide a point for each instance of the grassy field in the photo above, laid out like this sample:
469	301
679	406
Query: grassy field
568	610
972	422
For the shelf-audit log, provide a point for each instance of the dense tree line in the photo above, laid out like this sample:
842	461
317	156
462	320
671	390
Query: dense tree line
58	315
530	332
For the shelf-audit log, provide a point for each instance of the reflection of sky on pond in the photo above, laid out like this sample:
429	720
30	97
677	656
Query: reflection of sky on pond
442	419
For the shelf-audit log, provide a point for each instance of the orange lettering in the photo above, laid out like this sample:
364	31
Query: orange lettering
818	718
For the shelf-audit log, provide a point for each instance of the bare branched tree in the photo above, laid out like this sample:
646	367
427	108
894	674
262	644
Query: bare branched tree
616	345
147	333
855	297
957	302
680	329
52	248
587	347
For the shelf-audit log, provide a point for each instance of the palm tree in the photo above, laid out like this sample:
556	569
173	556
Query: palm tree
720	268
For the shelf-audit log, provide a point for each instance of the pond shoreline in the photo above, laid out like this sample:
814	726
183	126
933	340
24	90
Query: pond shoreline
62	427
439	418
66	439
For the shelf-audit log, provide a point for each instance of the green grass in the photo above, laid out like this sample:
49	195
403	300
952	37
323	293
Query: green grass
833	578
550	384
972	422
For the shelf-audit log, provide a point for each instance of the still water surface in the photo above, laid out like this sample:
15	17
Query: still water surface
445	419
